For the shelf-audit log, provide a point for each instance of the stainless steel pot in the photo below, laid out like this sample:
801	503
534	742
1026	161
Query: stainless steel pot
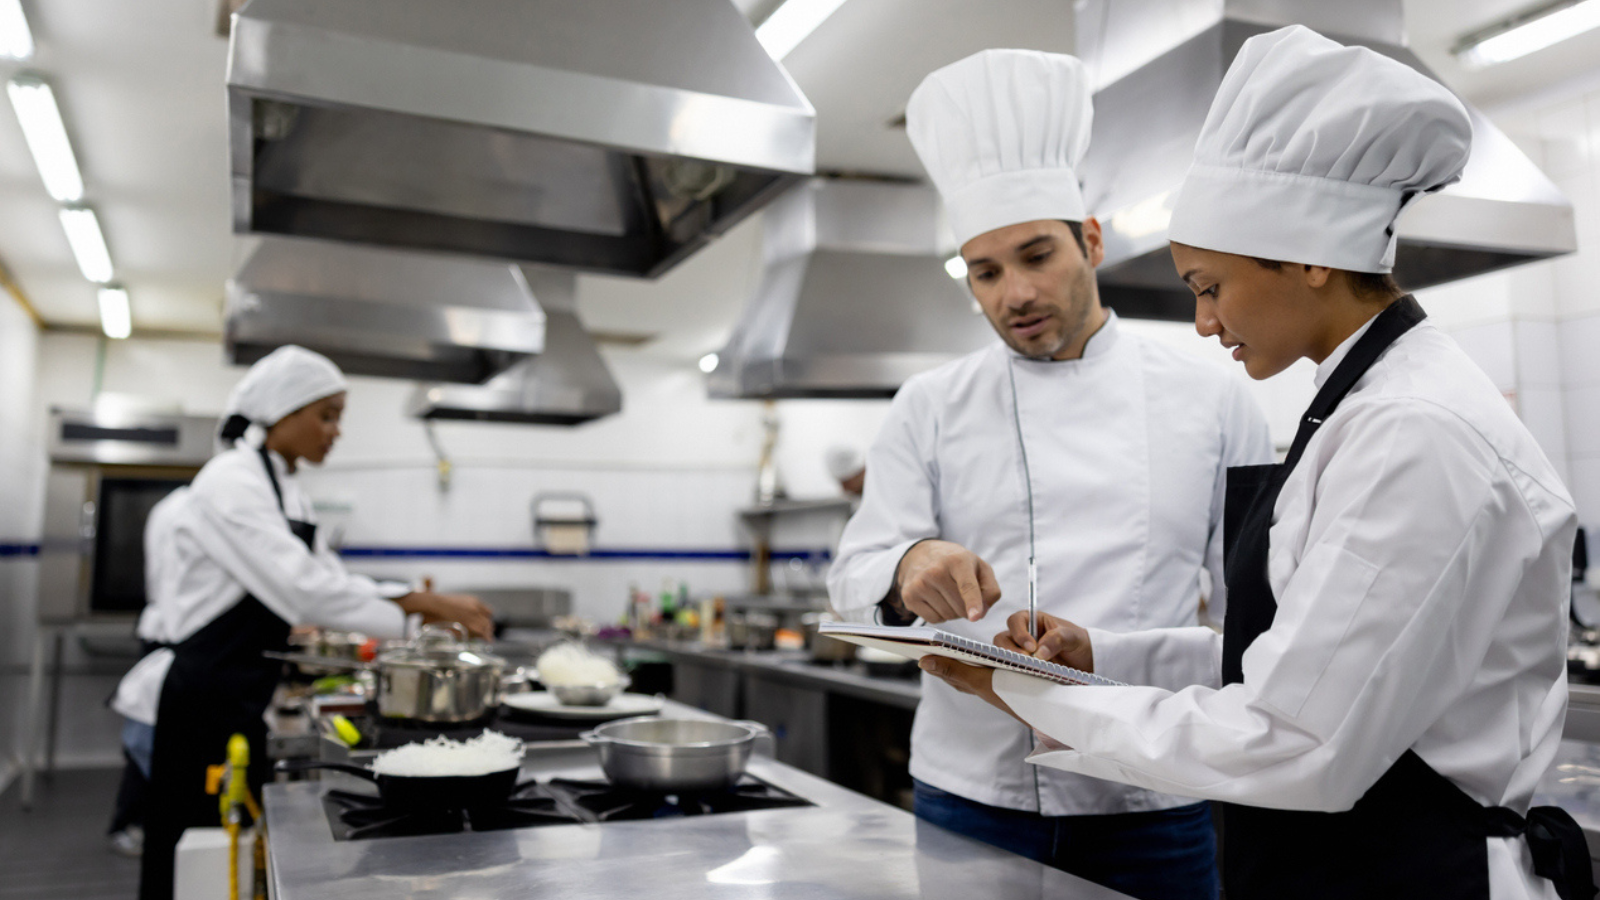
672	756
438	678
824	649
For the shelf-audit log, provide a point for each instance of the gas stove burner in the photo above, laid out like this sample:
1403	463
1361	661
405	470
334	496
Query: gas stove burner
354	816
608	803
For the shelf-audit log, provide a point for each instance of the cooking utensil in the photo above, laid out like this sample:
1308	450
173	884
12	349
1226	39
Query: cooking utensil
438	678
824	649
424	791
672	756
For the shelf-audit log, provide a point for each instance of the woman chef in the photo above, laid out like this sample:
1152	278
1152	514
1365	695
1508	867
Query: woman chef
242	564
1390	681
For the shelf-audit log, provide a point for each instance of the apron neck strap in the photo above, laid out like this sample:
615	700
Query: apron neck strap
272	476
1395	320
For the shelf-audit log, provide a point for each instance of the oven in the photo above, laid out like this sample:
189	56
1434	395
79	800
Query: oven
106	473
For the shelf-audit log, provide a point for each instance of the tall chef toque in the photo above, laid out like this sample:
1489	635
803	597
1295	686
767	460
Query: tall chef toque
1001	134
1312	148
278	384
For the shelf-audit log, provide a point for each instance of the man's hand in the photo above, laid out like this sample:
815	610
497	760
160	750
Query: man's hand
466	609
1061	642
939	581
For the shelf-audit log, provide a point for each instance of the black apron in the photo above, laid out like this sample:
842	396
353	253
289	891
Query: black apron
219	685
1414	833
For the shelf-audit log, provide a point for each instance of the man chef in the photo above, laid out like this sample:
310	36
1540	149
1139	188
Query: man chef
1128	441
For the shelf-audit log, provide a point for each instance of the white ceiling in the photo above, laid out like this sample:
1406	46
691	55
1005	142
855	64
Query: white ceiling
141	86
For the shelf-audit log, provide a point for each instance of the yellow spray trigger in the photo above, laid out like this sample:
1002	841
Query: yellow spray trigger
346	730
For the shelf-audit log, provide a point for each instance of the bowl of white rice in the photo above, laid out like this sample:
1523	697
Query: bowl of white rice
578	676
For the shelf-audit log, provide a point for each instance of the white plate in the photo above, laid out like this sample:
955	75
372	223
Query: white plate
545	703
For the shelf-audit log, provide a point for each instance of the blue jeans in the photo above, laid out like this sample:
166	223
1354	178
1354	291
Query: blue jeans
1167	854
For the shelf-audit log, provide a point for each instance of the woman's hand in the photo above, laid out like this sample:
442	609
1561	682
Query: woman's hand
975	680
466	609
1061	642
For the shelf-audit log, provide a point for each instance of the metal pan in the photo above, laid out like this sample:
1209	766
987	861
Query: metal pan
671	756
424	791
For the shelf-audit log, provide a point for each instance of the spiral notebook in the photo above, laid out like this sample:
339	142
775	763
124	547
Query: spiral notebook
918	641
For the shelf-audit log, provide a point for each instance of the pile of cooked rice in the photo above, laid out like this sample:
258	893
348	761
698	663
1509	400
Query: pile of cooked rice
573	664
488	752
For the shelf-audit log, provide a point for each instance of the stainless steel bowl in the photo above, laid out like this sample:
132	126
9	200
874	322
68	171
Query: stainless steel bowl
674	755
588	694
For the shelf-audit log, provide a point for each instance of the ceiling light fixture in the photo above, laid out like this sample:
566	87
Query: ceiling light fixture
708	363
956	267
115	318
46	135
790	23
16	41
1527	32
88	243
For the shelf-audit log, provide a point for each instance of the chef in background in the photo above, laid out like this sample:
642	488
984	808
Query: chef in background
236	561
845	464
1390	684
1127	439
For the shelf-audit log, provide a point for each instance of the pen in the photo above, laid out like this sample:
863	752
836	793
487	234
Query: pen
1033	599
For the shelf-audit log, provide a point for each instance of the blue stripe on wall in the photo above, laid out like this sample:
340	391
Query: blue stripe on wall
636	554
630	554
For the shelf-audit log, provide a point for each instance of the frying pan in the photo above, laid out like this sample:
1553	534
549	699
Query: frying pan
424	791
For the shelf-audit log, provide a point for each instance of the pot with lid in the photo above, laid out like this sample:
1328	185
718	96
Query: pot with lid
438	677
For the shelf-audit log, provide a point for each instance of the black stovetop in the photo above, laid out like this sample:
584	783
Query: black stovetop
359	816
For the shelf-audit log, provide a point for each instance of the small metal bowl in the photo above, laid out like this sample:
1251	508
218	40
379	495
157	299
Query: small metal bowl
588	694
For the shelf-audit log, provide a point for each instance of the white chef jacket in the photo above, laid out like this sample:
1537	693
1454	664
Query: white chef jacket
1420	556
225	536
1127	448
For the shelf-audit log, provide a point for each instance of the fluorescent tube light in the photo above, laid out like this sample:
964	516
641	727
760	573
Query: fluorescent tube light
88	243
1527	33
115	319
16	41
790	23
708	363
47	139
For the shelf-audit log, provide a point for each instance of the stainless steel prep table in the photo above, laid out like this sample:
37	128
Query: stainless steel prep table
794	667
847	846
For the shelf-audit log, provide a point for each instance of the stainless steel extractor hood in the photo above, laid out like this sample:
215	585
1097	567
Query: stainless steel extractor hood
1157	65
382	312
567	384
854	297
612	136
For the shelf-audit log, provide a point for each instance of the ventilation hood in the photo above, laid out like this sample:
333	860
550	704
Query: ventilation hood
853	299
612	136
1157	65
567	384
381	312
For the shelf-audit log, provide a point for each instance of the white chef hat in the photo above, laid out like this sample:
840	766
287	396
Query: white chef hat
1312	148
1001	134
278	384
844	462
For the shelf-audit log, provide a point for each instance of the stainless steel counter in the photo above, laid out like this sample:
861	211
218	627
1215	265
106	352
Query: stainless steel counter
795	667
847	846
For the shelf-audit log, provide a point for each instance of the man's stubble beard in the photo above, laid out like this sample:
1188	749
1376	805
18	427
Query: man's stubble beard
1080	297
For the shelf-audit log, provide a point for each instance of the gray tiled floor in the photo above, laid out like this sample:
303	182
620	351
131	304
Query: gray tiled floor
58	849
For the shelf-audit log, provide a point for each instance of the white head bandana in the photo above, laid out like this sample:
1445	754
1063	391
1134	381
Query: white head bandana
278	384
1001	134
1310	151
